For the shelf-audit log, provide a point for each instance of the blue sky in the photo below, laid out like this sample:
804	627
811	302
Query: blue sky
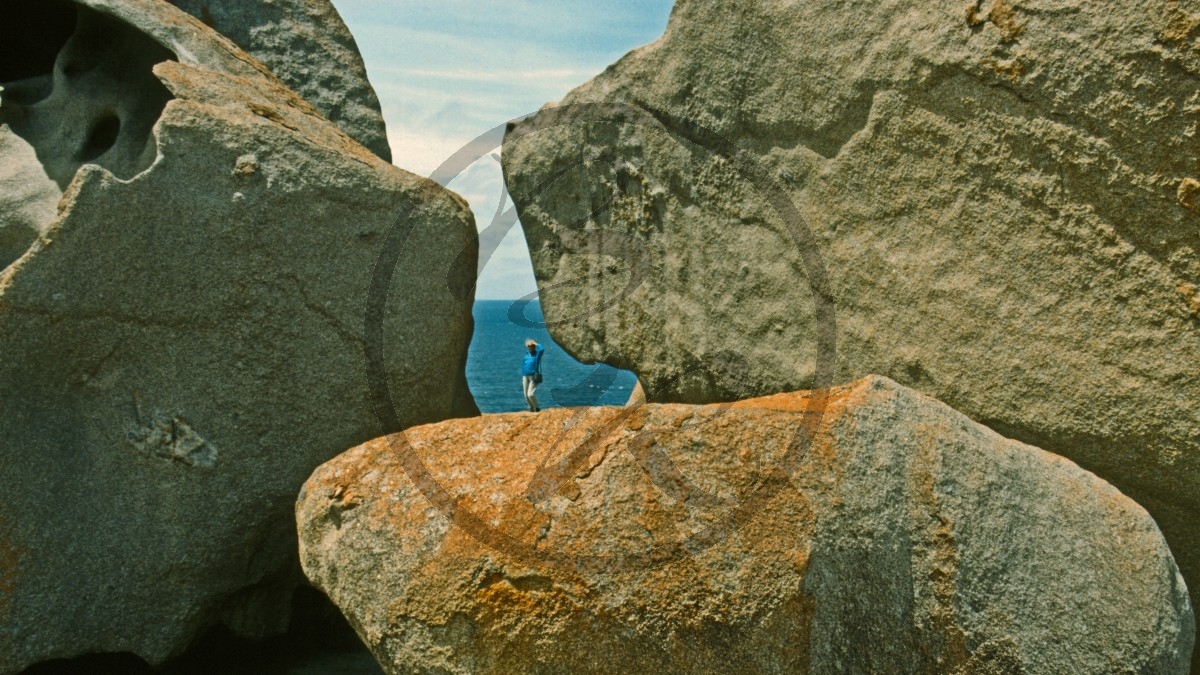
448	71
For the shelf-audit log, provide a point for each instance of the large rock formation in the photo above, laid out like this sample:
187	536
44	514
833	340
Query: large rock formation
306	44
664	539
1004	194
181	342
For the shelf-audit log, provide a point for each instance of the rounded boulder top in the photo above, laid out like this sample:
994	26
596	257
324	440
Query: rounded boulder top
307	46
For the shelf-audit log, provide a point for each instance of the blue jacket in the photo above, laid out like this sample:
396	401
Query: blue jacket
530	365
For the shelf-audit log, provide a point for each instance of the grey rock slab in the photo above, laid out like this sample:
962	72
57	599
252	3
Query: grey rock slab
1003	195
183	342
907	539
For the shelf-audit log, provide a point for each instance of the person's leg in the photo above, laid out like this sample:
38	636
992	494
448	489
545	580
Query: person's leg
533	395
526	389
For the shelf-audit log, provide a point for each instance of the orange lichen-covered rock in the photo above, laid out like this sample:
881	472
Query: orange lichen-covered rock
671	538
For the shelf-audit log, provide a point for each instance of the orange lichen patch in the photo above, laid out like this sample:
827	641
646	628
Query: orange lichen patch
637	420
791	511
794	401
936	543
570	490
1191	296
1004	17
511	464
1006	63
680	420
818	407
836	398
670	493
499	460
1001	15
1181	25
269	113
345	497
502	596
1010	69
801	559
1189	193
974	20
739	596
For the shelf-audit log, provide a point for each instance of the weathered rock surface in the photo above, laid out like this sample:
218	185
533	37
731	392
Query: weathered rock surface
1004	193
908	539
306	44
28	197
183	341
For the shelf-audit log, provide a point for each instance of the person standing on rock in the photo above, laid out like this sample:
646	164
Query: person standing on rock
531	373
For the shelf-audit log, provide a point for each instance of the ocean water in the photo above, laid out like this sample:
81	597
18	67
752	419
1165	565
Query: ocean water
494	364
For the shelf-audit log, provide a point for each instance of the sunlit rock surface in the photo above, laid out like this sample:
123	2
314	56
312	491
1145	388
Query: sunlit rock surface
669	539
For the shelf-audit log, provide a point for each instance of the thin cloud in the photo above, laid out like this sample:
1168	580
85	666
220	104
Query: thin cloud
558	76
447	72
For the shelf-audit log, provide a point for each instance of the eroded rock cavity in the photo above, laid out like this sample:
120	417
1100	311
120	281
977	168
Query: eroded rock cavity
78	88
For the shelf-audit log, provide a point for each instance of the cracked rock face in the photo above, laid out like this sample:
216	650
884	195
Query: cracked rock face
908	539
305	44
1003	196
181	334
